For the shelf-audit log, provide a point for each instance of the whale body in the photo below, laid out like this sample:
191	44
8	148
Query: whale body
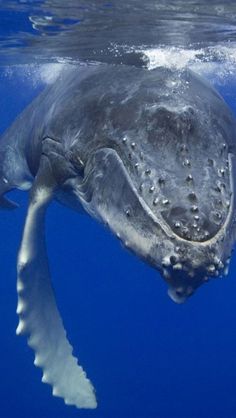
151	154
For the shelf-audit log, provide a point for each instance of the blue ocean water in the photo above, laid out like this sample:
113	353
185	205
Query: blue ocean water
147	357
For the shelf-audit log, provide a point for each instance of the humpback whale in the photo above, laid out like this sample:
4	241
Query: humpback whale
150	154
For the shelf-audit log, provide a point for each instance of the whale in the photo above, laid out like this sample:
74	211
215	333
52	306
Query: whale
148	153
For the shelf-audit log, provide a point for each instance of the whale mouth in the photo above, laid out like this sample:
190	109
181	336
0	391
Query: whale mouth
185	264
208	258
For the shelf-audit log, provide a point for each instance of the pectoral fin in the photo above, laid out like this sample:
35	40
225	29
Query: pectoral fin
39	316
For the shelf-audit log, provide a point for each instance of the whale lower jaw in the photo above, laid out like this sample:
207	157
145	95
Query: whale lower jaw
184	264
194	263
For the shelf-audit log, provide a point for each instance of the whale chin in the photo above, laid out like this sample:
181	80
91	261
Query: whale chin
180	294
176	295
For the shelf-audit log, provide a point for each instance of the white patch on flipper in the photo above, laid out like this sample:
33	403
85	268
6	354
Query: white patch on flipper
39	316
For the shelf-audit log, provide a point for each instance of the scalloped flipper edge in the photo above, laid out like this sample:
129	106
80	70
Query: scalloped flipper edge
38	314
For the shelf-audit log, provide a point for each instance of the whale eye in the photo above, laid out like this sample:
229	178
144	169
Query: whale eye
77	162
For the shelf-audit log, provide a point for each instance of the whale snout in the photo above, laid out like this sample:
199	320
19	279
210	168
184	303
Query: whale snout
183	282
187	275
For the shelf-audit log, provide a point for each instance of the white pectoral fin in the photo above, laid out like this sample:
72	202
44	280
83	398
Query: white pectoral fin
39	316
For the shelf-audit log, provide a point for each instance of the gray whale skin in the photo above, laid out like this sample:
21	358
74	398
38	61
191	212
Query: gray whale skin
151	154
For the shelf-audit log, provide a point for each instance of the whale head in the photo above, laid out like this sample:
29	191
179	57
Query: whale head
164	179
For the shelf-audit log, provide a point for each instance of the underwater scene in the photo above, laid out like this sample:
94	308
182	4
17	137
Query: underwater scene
117	190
